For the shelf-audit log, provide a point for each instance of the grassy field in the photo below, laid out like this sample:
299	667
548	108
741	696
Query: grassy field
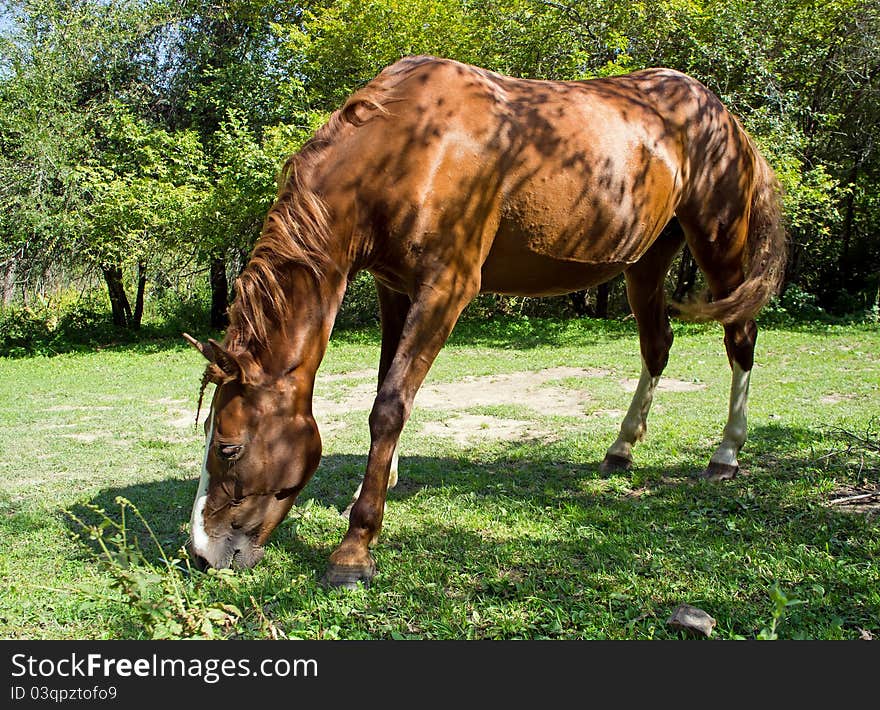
501	526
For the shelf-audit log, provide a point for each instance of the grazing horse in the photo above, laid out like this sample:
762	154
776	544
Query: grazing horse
445	180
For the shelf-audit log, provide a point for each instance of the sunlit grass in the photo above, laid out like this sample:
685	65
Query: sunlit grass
492	538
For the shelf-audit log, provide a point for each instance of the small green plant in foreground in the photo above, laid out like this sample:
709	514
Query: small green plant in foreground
780	603
167	601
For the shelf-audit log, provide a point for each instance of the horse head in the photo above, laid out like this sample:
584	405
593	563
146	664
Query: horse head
262	446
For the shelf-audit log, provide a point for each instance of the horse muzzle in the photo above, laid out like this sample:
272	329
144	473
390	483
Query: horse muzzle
239	552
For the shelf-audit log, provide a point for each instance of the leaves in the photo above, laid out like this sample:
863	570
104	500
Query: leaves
144	127
780	603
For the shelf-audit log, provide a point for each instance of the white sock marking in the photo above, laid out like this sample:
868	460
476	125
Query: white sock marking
634	424
736	428
392	475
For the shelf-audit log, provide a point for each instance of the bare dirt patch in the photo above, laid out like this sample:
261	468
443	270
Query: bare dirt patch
87	437
835	398
539	391
666	384
526	389
77	408
464	428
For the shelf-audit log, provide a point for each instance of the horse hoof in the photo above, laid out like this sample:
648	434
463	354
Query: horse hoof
719	471
614	464
349	576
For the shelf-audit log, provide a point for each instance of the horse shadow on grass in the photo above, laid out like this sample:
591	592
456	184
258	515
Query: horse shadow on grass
590	532
509	477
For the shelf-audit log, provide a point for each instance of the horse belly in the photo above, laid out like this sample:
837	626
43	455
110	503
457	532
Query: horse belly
515	269
551	242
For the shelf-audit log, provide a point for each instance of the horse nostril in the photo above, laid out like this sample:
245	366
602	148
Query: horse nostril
199	562
230	452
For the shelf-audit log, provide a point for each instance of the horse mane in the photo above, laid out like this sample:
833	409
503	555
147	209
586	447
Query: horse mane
296	231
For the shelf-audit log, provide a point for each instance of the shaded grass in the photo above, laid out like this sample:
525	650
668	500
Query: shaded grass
492	540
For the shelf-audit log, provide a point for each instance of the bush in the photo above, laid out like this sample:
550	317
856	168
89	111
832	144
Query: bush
84	320
68	321
794	304
22	330
173	311
360	307
73	320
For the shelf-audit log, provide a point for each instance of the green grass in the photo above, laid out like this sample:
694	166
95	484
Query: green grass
494	539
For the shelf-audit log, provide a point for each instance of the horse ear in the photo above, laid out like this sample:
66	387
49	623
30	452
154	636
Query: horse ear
225	360
224	365
204	348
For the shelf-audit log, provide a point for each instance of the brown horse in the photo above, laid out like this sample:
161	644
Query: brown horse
445	180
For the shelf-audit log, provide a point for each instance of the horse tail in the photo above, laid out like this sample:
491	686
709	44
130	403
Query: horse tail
765	253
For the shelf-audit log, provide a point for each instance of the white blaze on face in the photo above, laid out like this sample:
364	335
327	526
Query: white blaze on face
634	424
200	540
736	427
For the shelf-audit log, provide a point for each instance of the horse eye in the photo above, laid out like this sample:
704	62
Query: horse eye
230	452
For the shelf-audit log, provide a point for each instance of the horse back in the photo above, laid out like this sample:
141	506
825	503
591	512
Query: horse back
581	175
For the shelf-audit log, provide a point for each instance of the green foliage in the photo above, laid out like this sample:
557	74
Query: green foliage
244	166
177	310
141	192
22	330
65	62
360	306
52	325
77	321
149	132
795	305
167	601
781	602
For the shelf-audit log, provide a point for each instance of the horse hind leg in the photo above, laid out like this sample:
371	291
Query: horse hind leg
739	341
644	290
719	253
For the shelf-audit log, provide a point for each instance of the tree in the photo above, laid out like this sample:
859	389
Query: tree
103	104
141	198
67	64
230	86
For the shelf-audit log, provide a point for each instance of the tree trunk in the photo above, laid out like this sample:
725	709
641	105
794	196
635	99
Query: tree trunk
219	293
602	293
9	282
116	290
139	298
686	276
844	263
579	303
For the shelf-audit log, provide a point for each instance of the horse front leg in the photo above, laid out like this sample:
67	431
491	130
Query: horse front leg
393	309
429	322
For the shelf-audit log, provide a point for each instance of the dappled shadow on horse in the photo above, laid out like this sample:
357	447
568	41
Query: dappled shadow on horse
445	180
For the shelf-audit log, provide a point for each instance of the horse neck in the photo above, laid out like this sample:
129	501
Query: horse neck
300	340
